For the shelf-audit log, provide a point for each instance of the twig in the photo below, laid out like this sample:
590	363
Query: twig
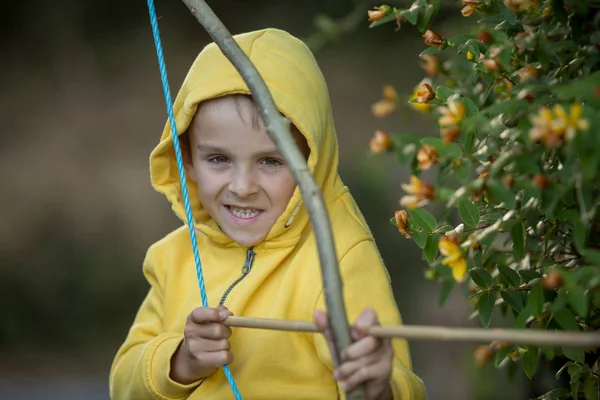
279	131
440	333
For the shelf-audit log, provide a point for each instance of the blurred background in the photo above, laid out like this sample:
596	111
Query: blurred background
82	107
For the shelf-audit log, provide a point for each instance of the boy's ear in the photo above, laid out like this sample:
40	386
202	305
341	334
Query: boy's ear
186	153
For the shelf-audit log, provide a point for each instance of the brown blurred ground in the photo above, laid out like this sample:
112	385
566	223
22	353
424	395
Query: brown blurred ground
82	108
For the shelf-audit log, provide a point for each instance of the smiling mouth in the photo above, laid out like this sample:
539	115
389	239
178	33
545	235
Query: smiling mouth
243	213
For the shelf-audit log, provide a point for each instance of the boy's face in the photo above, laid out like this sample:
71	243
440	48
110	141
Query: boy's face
243	181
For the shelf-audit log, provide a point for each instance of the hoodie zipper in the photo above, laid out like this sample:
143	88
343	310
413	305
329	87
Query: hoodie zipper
246	268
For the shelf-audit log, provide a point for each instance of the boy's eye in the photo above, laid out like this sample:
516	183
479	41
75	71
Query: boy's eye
218	159
271	162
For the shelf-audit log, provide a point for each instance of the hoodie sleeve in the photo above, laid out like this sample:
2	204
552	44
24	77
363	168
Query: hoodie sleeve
367	285
141	367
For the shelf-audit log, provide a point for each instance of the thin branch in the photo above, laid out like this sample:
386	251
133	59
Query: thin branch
279	131
440	333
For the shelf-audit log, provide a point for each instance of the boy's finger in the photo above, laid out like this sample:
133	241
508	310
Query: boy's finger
202	345
362	375
213	331
217	359
349	368
203	315
363	347
365	320
320	318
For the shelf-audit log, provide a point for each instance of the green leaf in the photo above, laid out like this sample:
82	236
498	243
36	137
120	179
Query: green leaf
423	219
405	146
518	238
411	15
469	143
430	50
463	171
468	213
578	300
471	107
420	238
485	306
513	298
562	369
535	301
462	38
505	107
575	373
577	355
443	93
592	255
500	194
579	89
565	318
510	16
590	388
481	277
556	394
445	150
527	275
510	276
530	360
445	290
428	15
501	355
431	248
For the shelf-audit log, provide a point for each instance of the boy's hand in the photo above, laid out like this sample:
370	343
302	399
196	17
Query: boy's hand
367	361
205	346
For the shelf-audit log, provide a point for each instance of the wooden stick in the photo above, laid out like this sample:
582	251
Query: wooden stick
417	332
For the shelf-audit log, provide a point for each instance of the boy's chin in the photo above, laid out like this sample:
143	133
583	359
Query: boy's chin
246	240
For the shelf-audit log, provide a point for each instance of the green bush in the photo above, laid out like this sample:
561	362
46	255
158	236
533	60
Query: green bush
517	161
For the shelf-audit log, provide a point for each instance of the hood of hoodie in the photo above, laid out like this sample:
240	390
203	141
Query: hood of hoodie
300	93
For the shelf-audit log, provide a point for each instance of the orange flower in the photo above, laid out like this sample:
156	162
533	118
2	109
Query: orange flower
383	108
387	104
527	72
389	93
420	90
521	5
425	93
470	7
449	134
427	156
418	193
402	221
430	64
378	13
453	258
432	38
453	114
381	142
482	355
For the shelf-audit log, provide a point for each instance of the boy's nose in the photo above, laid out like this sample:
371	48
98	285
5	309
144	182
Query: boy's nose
243	184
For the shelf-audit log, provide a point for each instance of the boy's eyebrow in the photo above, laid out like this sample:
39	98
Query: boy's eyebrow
207	148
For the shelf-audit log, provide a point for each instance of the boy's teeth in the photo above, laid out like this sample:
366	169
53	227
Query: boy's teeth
243	213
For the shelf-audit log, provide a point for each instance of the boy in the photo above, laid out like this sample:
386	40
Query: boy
258	250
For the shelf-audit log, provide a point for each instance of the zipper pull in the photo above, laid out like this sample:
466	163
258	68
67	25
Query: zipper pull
249	260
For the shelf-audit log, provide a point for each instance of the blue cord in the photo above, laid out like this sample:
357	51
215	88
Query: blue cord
184	189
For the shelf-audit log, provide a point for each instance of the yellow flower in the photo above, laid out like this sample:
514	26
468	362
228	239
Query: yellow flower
419	92
453	114
427	156
381	142
425	93
453	258
470	7
470	56
555	126
401	217
449	134
418	193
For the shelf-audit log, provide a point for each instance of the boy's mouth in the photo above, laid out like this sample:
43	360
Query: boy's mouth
243	213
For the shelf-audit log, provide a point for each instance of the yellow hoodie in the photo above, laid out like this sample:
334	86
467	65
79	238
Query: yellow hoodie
282	278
